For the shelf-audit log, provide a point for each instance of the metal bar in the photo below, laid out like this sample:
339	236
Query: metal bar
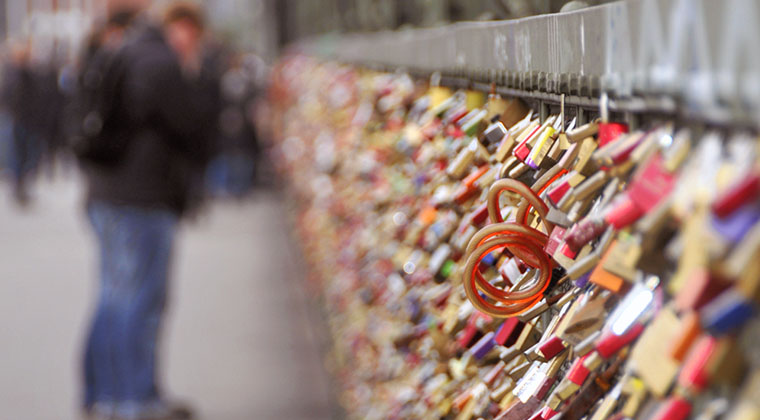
622	48
543	111
661	105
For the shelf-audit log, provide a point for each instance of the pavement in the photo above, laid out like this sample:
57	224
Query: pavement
242	340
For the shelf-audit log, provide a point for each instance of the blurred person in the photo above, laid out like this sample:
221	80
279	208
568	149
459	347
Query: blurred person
35	103
233	169
94	95
135	199
20	93
50	112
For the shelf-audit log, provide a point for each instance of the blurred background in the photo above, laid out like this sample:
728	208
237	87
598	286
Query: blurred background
243	339
265	25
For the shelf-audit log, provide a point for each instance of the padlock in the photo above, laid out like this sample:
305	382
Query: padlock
652	259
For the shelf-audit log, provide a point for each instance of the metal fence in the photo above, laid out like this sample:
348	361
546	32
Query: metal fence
703	53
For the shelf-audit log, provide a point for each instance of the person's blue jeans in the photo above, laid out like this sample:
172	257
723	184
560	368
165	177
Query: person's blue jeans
230	174
120	360
26	148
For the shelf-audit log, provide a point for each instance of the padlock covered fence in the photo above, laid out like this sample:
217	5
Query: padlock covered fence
551	218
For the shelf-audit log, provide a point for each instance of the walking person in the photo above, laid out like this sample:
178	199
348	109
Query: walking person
20	94
154	133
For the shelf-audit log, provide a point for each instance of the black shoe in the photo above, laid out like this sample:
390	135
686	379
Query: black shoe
171	411
93	413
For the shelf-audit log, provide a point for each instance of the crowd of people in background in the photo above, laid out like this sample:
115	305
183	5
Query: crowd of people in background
38	92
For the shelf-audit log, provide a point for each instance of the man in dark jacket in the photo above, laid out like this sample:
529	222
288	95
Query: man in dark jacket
134	206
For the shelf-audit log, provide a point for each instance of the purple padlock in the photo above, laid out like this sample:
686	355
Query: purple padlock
582	281
737	224
483	346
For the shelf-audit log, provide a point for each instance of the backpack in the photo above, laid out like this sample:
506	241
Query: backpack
97	135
